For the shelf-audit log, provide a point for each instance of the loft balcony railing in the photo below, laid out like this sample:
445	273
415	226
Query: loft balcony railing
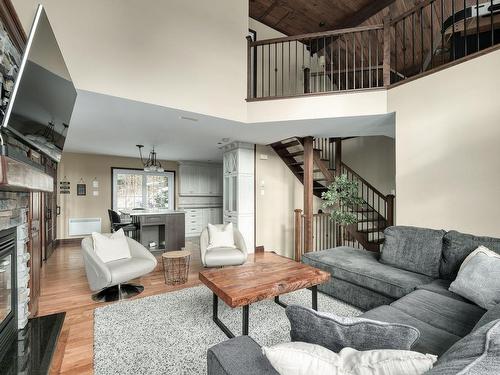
433	35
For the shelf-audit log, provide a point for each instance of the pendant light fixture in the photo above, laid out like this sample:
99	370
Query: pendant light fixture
151	164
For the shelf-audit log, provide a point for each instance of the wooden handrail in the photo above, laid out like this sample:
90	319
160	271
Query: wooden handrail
316	35
383	196
415	9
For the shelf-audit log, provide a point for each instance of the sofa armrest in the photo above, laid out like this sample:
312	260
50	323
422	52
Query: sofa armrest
238	356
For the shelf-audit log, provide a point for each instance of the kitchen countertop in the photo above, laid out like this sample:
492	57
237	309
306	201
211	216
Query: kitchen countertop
151	212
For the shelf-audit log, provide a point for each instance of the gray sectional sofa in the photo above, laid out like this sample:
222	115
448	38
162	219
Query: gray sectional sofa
407	283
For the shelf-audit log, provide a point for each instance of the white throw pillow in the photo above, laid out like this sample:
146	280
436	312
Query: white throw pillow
385	362
299	358
480	250
110	248
220	237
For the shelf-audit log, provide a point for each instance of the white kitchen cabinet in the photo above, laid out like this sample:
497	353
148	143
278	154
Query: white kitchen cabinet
200	179
238	199
198	218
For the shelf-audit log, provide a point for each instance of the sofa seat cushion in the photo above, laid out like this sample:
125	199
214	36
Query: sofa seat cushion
124	270
440	286
224	256
413	249
432	340
440	311
238	356
457	246
362	268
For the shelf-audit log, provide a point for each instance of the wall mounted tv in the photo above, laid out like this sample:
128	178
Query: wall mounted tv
43	97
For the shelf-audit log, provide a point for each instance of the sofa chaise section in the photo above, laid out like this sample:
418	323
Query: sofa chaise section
360	279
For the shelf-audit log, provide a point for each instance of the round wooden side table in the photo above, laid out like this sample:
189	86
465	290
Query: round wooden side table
176	266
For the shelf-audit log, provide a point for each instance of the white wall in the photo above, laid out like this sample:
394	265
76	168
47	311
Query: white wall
184	54
374	159
277	193
363	103
447	152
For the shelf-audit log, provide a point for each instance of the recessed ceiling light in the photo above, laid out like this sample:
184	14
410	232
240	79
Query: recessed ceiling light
188	118
225	139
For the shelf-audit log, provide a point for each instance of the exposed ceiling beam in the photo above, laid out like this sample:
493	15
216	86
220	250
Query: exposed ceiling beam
273	5
363	14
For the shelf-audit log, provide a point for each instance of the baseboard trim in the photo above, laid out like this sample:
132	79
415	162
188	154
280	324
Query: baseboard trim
69	241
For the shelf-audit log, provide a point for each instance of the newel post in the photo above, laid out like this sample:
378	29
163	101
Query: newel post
390	210
298	234
386	65
308	193
249	67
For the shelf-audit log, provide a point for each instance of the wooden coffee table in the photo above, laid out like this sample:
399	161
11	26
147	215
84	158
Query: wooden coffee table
265	275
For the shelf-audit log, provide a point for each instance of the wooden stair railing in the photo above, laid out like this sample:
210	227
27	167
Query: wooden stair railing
374	215
433	35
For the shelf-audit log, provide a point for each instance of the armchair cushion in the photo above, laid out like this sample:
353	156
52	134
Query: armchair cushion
336	332
224	256
220	236
124	270
112	247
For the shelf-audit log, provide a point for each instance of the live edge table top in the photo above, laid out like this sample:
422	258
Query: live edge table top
264	275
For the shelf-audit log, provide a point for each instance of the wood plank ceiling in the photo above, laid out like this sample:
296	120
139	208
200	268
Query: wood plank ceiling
294	17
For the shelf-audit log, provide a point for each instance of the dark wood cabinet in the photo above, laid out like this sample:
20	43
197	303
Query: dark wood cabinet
49	222
35	249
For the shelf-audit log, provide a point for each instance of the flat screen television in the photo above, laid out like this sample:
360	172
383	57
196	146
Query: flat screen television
43	97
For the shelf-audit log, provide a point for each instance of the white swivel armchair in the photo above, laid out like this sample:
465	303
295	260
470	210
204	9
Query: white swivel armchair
223	256
109	279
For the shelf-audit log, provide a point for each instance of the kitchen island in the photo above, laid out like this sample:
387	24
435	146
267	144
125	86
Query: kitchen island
159	230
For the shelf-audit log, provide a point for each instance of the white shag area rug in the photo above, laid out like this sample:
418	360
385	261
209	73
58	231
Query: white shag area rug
170	333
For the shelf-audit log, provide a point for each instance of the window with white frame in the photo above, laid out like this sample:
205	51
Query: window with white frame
135	188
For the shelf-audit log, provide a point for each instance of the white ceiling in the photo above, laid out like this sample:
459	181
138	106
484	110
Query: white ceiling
103	124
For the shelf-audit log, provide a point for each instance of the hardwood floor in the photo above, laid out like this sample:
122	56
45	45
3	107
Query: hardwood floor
64	288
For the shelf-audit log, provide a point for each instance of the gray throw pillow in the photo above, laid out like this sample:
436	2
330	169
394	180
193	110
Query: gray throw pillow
335	332
413	249
476	353
479	281
457	246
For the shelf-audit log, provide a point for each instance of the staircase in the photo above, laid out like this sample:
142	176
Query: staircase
374	214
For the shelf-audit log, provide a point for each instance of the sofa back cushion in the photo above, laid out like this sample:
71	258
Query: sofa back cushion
457	246
413	249
476	353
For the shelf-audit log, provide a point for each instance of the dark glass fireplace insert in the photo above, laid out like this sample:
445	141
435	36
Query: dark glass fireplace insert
8	288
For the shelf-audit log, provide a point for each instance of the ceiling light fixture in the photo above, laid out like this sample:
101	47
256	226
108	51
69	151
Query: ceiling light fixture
188	118
151	164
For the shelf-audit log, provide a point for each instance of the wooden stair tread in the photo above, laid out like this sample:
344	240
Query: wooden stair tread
281	146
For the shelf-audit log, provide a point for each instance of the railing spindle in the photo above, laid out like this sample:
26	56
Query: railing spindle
491	23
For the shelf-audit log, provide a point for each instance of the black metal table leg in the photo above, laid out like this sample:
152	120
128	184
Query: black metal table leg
222	326
277	300
244	329
215	318
314	290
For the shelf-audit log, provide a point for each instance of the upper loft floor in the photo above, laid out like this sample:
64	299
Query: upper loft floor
400	42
